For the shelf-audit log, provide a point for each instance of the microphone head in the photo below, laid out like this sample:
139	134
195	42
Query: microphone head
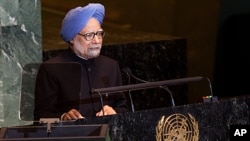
126	70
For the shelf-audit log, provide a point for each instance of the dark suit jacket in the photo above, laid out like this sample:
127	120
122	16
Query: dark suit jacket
65	82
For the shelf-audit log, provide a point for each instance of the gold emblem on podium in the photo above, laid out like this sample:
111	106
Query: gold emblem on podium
177	127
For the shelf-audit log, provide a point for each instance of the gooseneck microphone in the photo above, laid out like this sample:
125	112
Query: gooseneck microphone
127	71
129	93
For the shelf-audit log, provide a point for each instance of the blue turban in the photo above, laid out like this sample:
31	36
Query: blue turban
76	19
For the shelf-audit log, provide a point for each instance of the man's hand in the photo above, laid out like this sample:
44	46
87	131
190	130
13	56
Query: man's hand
107	111
72	114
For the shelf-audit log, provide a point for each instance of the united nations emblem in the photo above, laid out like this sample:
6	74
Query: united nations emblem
177	127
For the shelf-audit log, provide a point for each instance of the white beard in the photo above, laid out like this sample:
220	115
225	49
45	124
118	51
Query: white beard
86	53
93	52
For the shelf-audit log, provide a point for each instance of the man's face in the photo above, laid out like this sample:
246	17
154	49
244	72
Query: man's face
88	42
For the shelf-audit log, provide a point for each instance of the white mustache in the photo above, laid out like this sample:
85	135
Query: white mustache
98	47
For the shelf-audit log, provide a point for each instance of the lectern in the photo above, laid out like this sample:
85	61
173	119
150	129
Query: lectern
94	132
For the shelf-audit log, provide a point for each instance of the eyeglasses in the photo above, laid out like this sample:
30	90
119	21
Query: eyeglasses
91	35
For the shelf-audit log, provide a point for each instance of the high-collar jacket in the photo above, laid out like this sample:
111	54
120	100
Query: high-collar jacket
65	82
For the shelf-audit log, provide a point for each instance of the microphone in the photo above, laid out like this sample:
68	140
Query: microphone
129	93
127	71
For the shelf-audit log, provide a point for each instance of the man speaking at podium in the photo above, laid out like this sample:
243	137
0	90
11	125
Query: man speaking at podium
63	84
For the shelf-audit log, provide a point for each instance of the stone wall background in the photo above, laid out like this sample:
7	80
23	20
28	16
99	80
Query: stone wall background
20	45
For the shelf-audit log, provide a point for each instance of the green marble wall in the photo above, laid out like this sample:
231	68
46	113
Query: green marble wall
20	50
